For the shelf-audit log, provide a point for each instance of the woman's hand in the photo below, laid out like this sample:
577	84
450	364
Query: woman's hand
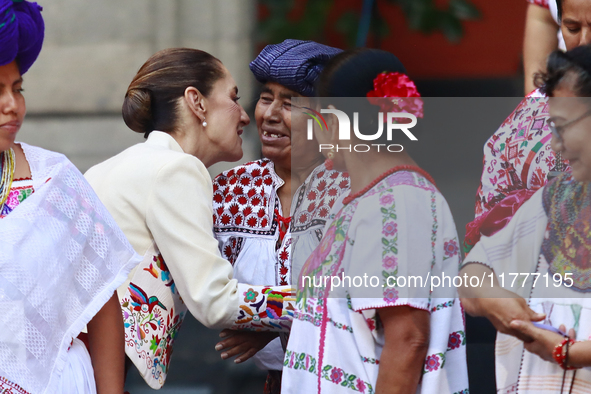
543	341
498	305
243	344
506	307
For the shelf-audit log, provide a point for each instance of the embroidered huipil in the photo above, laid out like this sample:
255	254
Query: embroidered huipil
517	160
549	235
62	257
401	226
256	239
19	191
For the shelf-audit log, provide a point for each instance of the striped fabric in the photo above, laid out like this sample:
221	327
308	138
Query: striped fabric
294	64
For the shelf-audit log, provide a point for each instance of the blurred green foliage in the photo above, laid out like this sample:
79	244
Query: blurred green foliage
421	15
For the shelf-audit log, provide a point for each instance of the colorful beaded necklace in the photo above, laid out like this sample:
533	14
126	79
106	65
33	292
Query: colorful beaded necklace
7	164
392	170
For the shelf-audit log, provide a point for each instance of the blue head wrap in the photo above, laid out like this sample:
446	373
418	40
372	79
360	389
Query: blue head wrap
21	32
294	64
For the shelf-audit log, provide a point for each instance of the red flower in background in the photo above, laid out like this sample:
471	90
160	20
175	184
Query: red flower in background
396	92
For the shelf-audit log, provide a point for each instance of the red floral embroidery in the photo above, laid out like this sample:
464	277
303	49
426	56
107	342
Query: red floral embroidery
318	197
233	206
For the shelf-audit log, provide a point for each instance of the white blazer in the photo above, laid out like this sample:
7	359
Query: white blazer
157	193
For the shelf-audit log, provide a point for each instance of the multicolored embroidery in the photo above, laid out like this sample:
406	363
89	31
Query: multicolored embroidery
370	360
20	190
447	304
517	158
342	378
284	262
328	259
7	387
325	260
434	362
567	244
456	339
269	310
389	244
341	326
301	361
152	322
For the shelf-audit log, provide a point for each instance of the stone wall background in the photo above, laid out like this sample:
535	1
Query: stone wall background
92	50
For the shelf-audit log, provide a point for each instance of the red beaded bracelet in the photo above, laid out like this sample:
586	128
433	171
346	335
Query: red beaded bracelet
560	355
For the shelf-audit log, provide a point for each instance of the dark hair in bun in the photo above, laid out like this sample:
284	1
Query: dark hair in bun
575	63
151	99
351	74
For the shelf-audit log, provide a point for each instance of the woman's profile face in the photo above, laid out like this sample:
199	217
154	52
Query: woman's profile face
574	143
225	119
12	104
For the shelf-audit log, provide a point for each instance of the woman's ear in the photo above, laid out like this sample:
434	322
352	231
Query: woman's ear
332	123
195	102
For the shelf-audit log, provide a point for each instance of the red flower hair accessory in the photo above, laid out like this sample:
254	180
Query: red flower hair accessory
396	92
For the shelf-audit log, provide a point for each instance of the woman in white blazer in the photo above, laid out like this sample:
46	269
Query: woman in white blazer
159	192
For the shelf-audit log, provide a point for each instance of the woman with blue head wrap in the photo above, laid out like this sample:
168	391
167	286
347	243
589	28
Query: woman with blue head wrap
266	250
61	254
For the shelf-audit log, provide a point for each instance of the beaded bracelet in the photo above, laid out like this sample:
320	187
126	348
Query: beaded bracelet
561	355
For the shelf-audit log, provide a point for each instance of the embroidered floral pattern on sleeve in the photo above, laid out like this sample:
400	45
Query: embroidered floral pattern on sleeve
517	160
389	244
270	309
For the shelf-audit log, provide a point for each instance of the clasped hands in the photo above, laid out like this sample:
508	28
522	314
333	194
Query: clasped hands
243	344
510	315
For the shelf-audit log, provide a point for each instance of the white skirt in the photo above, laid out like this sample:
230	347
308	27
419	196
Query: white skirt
78	375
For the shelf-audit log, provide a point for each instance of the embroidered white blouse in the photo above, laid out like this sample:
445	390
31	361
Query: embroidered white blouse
247	224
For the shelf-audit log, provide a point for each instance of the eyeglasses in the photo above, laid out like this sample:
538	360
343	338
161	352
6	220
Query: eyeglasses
557	131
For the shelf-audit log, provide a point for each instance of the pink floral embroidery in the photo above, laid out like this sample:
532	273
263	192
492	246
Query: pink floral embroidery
336	375
389	229
12	200
451	248
390	262
386	199
455	340
390	295
360	384
432	363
